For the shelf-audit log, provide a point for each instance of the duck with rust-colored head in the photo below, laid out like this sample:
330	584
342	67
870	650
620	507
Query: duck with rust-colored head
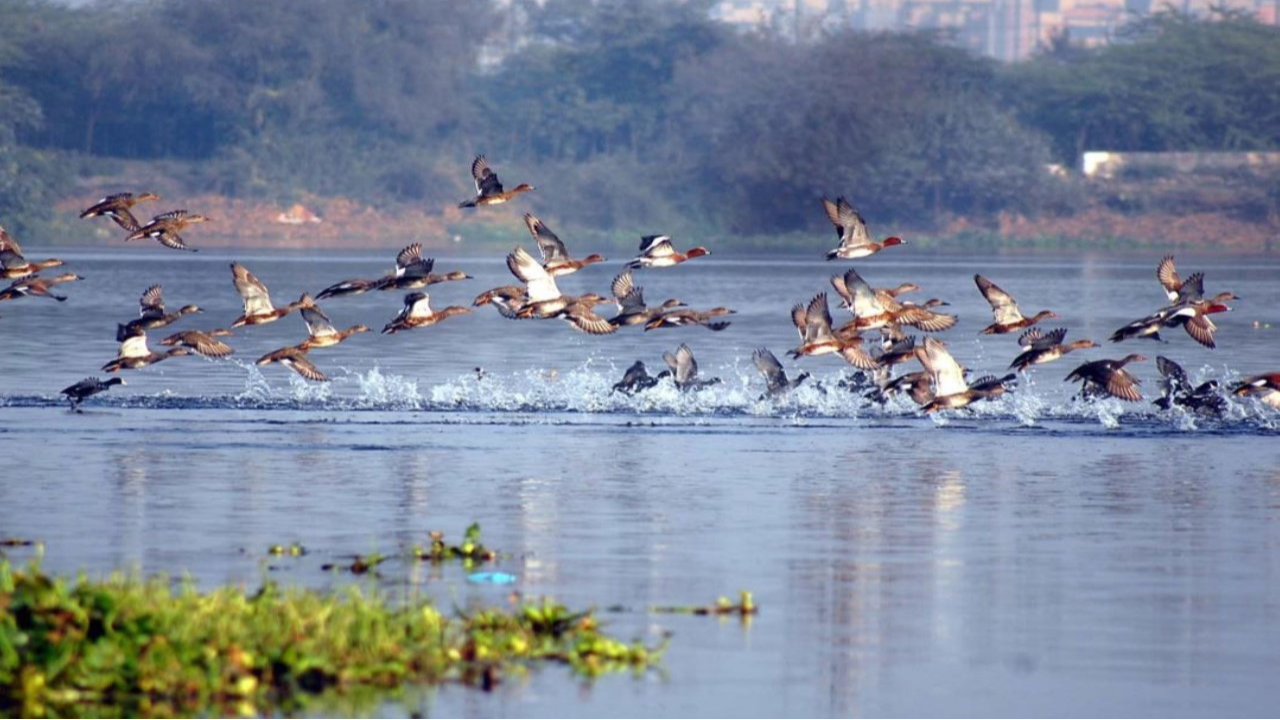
657	251
555	258
1264	387
855	240
631	306
488	188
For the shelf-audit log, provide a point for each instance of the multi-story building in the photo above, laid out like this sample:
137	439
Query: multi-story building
1003	29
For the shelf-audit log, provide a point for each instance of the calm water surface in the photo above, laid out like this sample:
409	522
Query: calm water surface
1038	556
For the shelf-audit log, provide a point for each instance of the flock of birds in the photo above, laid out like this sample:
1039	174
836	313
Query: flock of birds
940	384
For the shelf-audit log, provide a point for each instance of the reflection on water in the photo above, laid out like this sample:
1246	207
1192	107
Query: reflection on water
1036	557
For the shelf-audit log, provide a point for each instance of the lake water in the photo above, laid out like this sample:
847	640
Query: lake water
1036	556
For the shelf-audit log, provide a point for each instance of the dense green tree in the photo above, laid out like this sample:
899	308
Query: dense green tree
1172	81
903	125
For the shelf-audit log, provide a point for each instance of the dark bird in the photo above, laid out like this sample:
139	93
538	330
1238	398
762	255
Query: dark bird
684	370
1108	377
1176	389
635	379
775	377
88	387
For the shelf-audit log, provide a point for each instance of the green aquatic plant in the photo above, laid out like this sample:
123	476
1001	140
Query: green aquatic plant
745	606
130	646
471	551
291	550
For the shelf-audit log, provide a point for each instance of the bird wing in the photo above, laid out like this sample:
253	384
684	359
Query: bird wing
541	286
1167	274
551	247
656	246
300	364
1201	329
1123	385
487	182
410	255
151	304
257	301
850	226
817	319
318	323
865	303
948	376
1003	306
584	320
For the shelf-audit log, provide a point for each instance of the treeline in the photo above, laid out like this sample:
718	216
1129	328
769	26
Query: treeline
629	114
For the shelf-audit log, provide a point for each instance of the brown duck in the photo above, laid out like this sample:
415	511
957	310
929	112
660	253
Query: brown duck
1108	377
417	313
296	360
119	207
37	287
166	227
1007	316
258	309
204	343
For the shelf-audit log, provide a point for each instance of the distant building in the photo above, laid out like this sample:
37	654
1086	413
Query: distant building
1004	29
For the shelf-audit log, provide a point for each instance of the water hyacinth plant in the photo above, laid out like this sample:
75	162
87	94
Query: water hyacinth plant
129	646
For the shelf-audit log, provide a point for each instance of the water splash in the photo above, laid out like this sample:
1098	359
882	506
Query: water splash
588	389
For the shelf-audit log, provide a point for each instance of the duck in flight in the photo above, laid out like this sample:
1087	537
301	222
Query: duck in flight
165	229
855	240
488	188
657	251
119	208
